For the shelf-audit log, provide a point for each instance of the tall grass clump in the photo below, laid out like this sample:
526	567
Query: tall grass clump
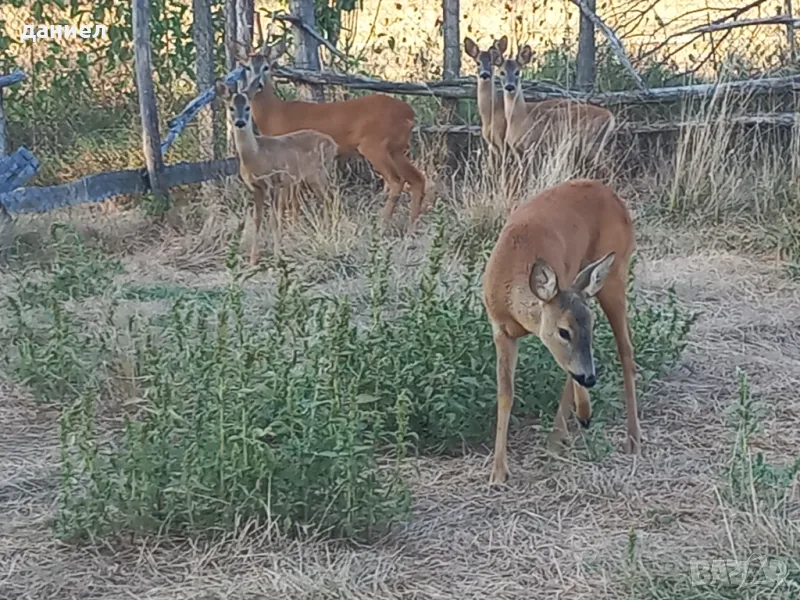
301	413
722	171
754	483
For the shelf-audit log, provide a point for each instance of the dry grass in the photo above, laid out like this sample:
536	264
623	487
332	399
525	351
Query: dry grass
592	524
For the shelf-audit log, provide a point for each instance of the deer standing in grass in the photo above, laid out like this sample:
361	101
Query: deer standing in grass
491	107
376	126
530	123
564	246
279	162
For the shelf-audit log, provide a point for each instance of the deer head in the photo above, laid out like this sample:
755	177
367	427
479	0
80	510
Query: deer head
484	58
260	65
238	102
510	68
567	321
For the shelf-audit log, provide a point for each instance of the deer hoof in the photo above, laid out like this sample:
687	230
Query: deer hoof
633	444
498	477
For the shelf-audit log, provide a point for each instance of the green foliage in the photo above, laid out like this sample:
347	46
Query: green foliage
75	271
236	422
753	481
301	412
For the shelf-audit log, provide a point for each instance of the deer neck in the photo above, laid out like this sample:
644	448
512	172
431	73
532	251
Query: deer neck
486	99
515	108
245	141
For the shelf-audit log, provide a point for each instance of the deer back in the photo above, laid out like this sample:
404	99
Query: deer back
567	226
368	120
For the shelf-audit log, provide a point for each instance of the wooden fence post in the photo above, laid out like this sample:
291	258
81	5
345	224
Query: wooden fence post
151	140
451	62
3	127
586	63
230	64
790	33
203	34
245	16
306	48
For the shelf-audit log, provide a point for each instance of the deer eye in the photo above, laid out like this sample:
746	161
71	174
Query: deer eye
563	334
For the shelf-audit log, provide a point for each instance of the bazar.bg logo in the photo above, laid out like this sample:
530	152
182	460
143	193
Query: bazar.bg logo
58	32
738	572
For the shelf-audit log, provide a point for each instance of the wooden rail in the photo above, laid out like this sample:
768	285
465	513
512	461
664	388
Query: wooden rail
101	186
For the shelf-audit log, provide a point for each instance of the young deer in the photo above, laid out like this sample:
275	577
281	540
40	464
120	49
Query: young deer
490	102
567	244
376	126
280	162
529	123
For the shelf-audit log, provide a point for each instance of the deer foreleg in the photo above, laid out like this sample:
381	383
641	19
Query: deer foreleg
506	350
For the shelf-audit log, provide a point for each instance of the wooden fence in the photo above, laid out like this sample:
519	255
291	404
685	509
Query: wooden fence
157	178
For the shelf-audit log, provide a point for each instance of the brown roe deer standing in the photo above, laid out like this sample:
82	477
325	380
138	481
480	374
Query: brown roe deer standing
490	102
376	126
282	162
528	123
567	244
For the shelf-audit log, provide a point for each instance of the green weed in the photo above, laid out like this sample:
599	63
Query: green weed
301	414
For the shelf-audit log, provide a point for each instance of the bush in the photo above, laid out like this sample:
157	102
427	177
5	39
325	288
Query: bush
304	417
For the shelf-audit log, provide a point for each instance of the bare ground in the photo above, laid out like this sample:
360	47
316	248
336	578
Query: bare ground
565	527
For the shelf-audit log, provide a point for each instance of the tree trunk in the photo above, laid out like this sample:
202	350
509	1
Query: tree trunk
151	140
306	48
586	68
203	35
451	66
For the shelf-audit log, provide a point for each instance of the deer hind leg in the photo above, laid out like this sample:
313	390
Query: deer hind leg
612	301
295	200
506	350
416	182
560	427
258	216
383	164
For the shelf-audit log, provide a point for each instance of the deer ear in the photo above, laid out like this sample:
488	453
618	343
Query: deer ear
470	47
501	44
589	281
221	89
497	58
255	87
543	281
525	55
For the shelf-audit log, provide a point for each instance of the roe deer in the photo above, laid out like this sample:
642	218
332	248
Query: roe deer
282	162
529	123
565	245
376	126
490	102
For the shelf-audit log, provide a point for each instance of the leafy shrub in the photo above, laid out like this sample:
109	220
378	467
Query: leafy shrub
304	414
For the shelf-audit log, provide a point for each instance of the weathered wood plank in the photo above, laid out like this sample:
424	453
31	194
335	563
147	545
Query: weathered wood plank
147	97
102	186
16	169
767	120
177	124
11	78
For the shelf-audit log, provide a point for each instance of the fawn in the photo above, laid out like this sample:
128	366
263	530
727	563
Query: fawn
530	123
275	162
